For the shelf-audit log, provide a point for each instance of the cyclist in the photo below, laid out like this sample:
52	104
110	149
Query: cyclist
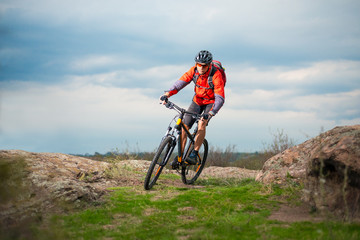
207	100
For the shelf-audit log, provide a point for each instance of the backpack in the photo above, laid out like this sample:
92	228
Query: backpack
216	65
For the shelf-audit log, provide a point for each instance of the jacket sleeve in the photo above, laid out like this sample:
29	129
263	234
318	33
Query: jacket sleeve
182	82
219	91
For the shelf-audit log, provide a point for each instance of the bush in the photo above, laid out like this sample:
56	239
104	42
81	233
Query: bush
231	158
220	158
252	161
280	142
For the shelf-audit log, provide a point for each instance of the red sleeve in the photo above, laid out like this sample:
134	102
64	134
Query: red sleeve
188	76
182	82
218	82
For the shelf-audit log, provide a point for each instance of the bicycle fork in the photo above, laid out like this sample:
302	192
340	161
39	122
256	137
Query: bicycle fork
168	154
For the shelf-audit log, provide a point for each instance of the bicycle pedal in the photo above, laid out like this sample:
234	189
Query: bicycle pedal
175	163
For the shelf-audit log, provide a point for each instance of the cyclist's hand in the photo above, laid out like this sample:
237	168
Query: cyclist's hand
207	116
164	98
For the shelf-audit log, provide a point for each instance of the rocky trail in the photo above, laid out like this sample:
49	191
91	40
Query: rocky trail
39	184
43	183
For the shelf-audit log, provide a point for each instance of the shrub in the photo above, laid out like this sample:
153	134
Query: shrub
220	158
252	161
280	142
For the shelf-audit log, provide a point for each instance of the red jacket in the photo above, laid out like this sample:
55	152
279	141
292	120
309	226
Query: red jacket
203	93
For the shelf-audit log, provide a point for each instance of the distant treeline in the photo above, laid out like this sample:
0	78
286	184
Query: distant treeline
216	157
227	157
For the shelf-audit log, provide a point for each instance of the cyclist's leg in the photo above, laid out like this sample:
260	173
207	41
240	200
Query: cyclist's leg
175	162
189	121
189	173
200	135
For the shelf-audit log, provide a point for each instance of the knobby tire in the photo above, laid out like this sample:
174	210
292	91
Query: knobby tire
155	168
189	173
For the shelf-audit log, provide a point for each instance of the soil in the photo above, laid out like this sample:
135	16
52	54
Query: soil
290	214
286	213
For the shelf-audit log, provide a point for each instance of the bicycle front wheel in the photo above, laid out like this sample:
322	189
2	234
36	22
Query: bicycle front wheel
189	173
158	163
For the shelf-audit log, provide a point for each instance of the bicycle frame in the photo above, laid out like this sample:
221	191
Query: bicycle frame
173	136
182	153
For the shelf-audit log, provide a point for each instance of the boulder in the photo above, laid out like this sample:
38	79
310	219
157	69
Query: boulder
328	166
34	184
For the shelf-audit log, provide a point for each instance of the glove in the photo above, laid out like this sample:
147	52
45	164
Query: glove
163	99
207	116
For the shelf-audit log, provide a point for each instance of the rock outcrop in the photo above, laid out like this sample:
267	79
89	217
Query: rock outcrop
36	183
329	168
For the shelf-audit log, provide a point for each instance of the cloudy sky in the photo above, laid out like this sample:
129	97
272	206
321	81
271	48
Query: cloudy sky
84	76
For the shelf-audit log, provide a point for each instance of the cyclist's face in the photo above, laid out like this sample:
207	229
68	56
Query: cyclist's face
202	68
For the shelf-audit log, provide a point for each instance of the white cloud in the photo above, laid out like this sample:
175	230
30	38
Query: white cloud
259	99
153	77
281	24
337	106
329	91
118	106
94	62
49	108
115	57
250	129
341	75
326	71
285	24
101	63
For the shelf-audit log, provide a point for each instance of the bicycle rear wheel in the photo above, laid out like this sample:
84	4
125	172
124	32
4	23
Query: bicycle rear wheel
189	173
158	163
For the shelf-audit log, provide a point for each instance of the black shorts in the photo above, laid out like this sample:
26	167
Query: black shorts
188	119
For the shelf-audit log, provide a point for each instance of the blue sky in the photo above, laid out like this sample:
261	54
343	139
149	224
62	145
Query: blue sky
85	76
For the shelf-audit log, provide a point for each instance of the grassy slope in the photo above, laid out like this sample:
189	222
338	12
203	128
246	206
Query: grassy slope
218	209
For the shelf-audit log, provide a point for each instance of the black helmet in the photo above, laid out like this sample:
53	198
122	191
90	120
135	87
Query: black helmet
204	57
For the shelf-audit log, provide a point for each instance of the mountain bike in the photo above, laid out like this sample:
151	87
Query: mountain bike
172	137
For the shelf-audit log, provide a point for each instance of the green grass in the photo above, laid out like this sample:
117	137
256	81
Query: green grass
219	210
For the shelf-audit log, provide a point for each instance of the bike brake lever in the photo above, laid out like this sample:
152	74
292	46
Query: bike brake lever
169	105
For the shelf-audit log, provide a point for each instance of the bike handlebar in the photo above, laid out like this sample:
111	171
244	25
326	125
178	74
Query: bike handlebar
172	105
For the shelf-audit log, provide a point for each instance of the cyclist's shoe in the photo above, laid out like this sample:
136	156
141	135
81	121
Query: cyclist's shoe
192	158
175	163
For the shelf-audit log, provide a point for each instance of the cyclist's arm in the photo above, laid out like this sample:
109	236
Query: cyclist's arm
176	87
182	82
219	102
219	91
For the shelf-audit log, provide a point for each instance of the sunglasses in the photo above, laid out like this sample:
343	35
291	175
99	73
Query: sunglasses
202	65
